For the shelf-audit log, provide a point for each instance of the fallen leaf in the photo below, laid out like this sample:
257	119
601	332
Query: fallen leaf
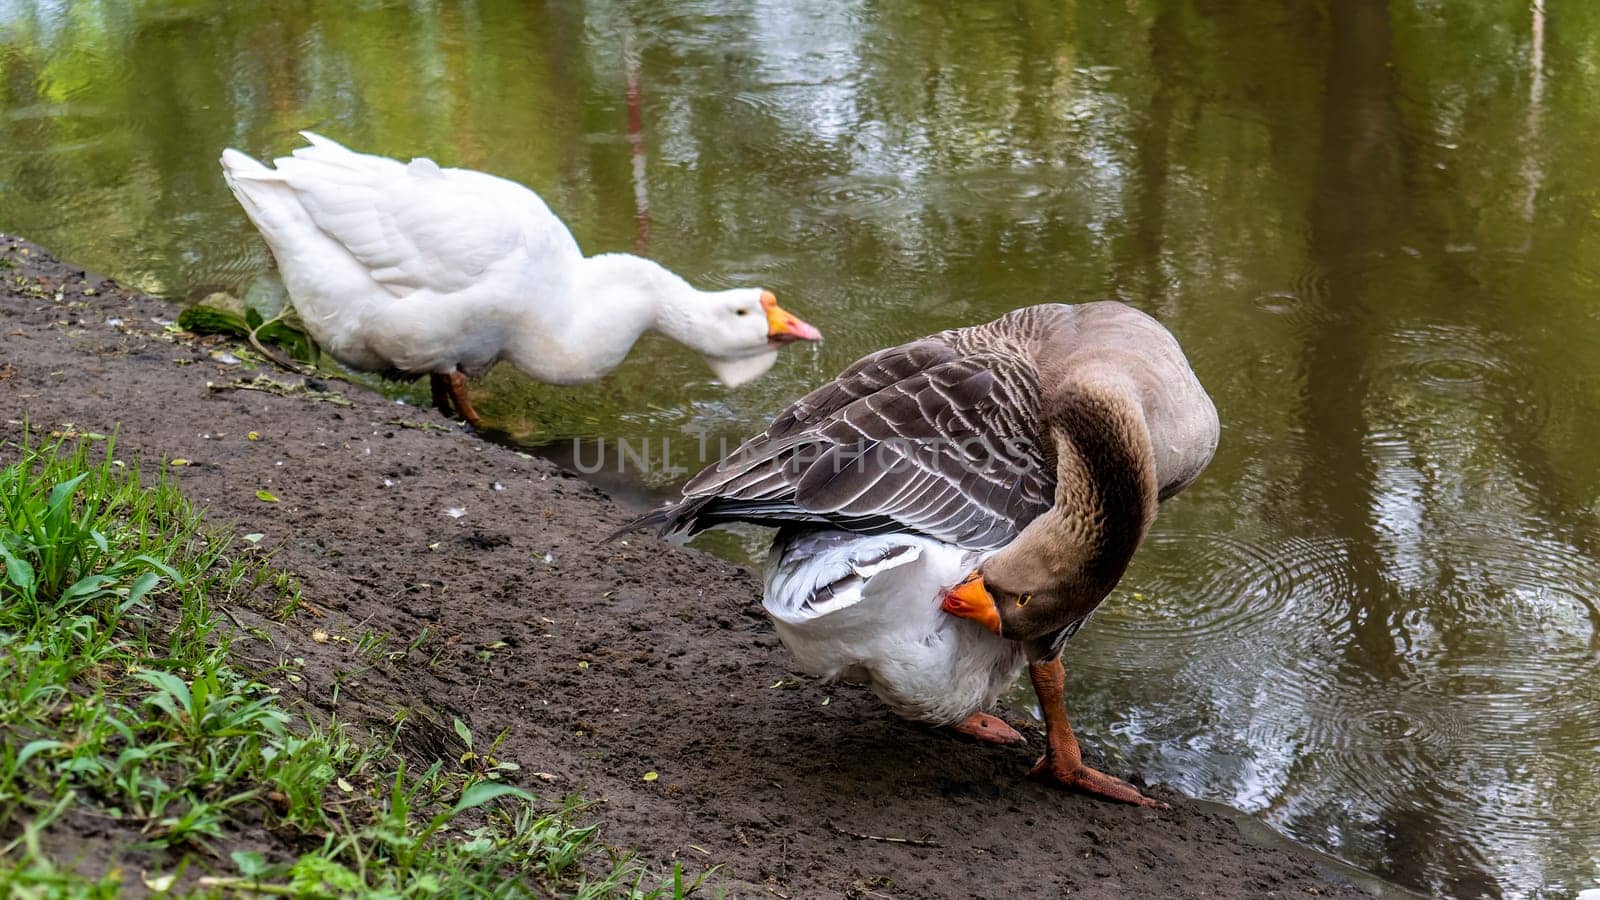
583	664
455	512
253	436
346	786
266	497
319	636
826	700
254	537
651	776
546	777
159	883
177	461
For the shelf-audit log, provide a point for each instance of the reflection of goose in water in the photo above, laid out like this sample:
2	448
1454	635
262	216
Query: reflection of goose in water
413	269
954	508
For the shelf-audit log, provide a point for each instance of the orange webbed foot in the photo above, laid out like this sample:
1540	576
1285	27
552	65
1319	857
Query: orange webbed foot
990	729
1093	782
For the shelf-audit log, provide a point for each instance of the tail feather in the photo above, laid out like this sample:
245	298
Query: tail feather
265	193
673	518
334	161
317	140
813	573
241	165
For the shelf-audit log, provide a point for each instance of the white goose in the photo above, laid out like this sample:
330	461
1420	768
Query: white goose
412	269
954	508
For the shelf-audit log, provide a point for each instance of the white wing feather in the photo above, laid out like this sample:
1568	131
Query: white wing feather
418	227
405	266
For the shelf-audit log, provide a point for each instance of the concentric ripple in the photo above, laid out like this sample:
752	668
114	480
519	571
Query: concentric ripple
1186	586
1280	303
1464	365
1007	186
764	270
859	194
1447	359
1303	301
1448	676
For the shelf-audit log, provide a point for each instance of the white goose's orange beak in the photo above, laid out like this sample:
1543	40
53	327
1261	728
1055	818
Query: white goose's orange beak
970	600
784	327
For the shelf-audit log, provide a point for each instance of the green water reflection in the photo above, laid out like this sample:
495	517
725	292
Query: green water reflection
1373	622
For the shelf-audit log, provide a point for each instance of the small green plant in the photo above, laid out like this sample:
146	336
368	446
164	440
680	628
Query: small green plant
283	331
57	550
119	702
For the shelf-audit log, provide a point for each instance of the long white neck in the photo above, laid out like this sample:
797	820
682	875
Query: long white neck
610	300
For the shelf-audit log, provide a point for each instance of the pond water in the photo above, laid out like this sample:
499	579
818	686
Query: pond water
1373	623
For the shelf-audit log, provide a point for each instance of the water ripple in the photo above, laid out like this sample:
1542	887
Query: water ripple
1190	585
1465	365
859	195
768	270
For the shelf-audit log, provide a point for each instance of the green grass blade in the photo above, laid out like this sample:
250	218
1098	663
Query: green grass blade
18	571
485	792
140	587
34	748
87	586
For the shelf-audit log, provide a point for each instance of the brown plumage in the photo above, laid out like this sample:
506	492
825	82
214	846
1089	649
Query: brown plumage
1039	443
942	436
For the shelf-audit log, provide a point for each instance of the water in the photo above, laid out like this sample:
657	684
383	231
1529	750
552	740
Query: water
1372	623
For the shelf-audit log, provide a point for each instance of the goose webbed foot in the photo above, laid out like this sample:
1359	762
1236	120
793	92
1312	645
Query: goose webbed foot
1062	762
987	728
1054	768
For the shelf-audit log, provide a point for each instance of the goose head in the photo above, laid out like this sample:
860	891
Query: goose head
737	331
1060	566
1020	597
1043	584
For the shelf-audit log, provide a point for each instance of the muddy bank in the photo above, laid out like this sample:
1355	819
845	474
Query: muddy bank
600	662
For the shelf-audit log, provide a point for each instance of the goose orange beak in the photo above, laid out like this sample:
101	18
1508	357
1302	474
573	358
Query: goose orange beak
970	600
784	327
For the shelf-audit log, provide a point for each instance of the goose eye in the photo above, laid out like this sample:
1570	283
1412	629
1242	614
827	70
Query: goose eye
1023	600
741	312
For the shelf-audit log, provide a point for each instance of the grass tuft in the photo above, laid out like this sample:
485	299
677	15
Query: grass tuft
132	745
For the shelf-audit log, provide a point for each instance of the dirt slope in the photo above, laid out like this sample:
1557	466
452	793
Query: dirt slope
603	662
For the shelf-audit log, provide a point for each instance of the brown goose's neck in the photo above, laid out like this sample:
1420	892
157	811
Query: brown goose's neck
1105	481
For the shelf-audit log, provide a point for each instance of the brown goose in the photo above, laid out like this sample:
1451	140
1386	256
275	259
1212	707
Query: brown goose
955	507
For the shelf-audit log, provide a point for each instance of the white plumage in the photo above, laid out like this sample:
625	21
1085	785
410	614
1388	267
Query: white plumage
865	608
413	268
